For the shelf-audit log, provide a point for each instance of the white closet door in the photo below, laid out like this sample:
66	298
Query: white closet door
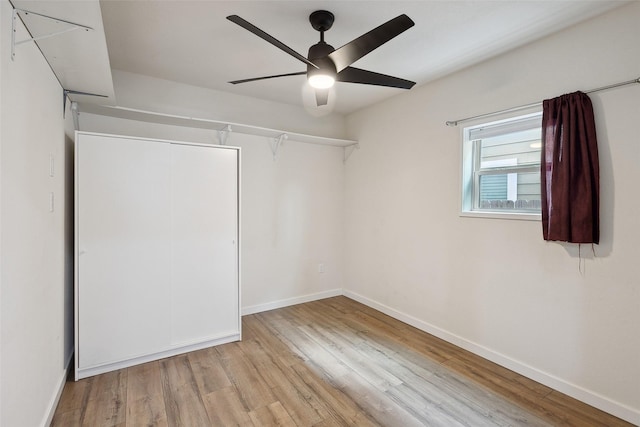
204	300
124	248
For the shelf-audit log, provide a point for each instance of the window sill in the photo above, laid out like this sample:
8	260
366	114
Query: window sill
523	216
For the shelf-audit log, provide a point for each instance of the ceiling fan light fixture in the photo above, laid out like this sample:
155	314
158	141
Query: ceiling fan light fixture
326	64
321	80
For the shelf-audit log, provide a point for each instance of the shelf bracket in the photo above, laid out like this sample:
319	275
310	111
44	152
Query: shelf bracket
67	92
348	150
275	144
223	135
76	115
14	19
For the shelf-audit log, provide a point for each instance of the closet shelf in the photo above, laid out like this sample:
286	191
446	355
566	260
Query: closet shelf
217	125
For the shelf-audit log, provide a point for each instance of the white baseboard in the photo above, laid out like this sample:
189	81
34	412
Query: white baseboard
252	309
589	397
53	404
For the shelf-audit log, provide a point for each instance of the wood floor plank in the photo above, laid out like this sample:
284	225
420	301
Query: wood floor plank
258	329
481	403
327	363
296	399
284	329
106	405
183	402
341	408
523	395
575	413
530	386
346	336
272	415
208	370
254	391
265	362
411	367
329	422
310	405
406	336
303	404
358	361
144	381
312	352
427	409
145	398
226	409
74	395
67	419
147	411
376	403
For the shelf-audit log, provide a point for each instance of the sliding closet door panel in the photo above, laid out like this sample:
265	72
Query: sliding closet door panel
157	225
124	249
204	300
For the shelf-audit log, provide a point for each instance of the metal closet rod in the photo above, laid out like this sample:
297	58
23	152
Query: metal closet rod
535	104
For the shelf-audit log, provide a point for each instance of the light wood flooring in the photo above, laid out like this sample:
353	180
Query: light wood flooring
333	362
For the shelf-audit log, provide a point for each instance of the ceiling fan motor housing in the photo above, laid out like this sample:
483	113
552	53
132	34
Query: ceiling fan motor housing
318	54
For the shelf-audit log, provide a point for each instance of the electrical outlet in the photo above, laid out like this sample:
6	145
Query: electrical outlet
320	268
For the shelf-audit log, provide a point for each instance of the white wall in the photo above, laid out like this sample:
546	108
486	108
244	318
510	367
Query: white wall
494	286
35	279
292	212
292	208
164	96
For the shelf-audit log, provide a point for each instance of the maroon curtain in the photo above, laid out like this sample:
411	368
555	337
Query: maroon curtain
569	175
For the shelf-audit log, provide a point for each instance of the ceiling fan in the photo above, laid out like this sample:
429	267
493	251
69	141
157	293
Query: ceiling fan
326	65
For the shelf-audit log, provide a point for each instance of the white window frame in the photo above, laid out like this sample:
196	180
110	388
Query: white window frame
471	172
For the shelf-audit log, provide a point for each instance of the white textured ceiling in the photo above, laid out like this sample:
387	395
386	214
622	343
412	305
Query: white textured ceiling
192	42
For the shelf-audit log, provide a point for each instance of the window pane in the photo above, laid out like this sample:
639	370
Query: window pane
516	148
519	191
501	167
529	186
493	187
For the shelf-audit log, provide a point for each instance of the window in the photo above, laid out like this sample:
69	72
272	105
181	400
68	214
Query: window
501	168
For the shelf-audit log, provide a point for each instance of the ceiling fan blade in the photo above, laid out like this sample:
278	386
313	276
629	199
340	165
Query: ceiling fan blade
277	43
235	82
322	97
356	49
357	75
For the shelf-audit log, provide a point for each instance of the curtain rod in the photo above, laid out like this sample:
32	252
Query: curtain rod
535	104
